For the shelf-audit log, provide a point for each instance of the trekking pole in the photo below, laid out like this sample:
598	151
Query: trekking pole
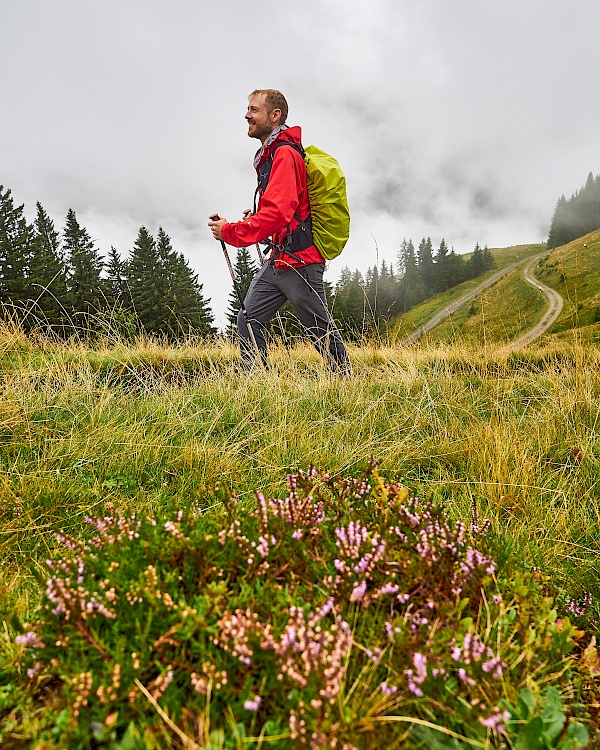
246	213
238	291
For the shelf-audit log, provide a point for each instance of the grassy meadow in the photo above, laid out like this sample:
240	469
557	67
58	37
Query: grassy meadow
115	428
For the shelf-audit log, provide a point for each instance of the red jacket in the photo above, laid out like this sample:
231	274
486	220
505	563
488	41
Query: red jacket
286	195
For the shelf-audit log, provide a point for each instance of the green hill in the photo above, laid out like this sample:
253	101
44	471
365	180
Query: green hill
447	331
511	307
500	314
574	271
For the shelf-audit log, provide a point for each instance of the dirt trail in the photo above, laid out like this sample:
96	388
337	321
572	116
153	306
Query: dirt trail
550	316
554	308
458	303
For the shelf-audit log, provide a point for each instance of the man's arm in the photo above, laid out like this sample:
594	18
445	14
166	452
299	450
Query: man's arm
278	203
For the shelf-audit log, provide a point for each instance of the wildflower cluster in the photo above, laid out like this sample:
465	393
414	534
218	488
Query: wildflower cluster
273	613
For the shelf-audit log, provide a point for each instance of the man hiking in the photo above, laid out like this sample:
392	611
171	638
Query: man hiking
295	268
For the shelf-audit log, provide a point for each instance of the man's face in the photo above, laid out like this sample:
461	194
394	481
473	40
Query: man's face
260	122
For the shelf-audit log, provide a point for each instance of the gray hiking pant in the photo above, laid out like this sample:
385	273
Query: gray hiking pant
303	287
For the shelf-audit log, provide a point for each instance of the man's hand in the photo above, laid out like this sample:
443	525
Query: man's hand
216	226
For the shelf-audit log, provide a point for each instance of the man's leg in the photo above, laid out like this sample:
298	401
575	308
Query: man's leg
263	300
304	289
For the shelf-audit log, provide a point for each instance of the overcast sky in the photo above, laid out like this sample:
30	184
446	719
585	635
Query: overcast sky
456	119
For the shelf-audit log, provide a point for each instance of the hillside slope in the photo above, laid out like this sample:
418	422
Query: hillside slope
451	327
510	310
500	314
574	271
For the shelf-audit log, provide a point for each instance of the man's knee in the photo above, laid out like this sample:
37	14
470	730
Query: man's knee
241	323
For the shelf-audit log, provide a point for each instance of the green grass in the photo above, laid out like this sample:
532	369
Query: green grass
504	256
574	271
152	428
84	430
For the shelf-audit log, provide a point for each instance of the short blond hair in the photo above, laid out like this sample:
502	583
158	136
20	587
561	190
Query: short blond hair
274	100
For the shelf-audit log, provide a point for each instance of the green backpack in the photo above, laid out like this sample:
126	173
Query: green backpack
330	216
328	202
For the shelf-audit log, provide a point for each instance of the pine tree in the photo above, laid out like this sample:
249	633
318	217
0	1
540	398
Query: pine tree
142	271
166	281
16	247
476	263
577	216
456	269
382	293
245	270
425	264
186	310
441	271
87	294
117	291
488	259
349	304
165	293
372	291
558	233
411	287
48	280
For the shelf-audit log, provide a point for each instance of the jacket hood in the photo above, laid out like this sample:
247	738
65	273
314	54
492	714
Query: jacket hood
292	135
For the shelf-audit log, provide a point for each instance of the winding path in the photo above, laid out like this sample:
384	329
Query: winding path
554	309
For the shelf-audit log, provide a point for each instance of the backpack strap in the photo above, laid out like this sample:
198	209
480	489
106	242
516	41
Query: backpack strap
302	237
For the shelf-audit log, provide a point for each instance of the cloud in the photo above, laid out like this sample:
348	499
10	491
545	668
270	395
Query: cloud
457	120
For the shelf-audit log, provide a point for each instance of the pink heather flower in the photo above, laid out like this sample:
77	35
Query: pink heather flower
457	653
497	599
297	534
412	684
375	655
30	639
263	547
495	720
420	663
170	526
494	666
252	705
326	608
388	689
358	591
464	677
389	588
37	667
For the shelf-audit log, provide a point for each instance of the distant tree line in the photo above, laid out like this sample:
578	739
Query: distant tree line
360	305
58	282
577	216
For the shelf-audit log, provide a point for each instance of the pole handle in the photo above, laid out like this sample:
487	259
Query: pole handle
214	217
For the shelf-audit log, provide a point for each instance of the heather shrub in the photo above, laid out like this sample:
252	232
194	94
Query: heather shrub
345	613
